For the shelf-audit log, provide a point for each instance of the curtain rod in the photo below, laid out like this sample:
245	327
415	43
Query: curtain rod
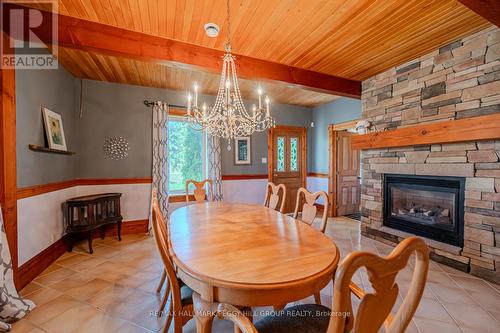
151	103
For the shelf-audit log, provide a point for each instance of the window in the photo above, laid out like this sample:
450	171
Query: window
186	153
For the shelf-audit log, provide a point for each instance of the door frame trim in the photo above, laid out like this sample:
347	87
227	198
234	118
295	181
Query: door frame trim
302	131
8	169
332	161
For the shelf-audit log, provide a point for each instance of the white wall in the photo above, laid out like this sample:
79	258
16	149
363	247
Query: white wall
40	219
248	190
40	222
134	201
315	184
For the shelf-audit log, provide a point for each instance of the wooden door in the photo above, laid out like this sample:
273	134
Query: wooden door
348	165
287	160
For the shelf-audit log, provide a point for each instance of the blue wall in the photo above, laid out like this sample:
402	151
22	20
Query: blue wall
339	111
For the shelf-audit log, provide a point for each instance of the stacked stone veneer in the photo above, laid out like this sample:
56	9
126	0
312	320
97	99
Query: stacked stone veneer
460	80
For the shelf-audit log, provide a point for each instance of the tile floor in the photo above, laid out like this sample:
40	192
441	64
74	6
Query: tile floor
114	290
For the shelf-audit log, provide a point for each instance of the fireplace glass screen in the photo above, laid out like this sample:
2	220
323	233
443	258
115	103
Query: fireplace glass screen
424	206
429	206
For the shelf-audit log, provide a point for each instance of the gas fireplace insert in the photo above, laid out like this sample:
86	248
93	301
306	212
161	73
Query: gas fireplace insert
428	206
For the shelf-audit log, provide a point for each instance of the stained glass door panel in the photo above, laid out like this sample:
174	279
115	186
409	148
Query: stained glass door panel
280	154
294	142
287	161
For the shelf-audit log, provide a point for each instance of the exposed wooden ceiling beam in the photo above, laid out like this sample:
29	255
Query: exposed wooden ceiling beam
489	9
99	38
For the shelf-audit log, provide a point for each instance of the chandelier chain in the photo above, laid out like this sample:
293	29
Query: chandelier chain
228	118
228	42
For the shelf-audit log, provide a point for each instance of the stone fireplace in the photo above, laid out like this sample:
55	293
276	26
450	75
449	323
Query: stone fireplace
458	81
431	207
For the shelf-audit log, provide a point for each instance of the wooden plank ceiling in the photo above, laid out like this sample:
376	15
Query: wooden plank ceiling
129	71
355	39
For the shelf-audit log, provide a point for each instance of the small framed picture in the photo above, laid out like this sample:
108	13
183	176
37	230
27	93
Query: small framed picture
54	129
242	151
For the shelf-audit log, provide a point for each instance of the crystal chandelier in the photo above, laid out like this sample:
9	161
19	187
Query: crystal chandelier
228	118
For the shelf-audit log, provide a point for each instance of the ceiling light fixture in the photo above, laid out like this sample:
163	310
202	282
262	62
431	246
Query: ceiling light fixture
212	30
228	118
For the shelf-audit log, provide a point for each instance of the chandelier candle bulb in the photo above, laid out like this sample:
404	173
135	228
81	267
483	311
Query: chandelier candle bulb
228	86
267	106
195	94
189	102
260	98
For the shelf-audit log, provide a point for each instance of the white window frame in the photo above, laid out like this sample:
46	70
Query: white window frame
203	152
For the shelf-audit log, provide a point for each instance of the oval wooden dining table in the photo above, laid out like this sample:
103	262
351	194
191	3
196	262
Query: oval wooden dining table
247	255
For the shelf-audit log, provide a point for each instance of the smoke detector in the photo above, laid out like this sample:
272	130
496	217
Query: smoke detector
212	30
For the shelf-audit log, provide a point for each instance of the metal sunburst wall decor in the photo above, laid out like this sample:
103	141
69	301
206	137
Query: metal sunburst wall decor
116	148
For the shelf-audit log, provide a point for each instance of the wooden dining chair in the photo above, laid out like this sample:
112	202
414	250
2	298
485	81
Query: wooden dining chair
200	193
308	210
273	198
308	213
374	309
181	303
163	278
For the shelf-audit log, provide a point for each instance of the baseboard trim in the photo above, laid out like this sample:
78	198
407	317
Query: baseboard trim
36	265
128	227
319	207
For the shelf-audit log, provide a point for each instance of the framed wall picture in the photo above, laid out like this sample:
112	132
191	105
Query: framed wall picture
243	150
54	129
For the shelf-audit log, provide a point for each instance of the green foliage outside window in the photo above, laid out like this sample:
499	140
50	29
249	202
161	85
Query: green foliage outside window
185	152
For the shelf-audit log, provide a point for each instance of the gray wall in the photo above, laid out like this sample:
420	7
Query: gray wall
55	90
284	115
112	109
338	111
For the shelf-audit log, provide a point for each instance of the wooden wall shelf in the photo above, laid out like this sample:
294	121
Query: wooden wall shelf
48	150
462	130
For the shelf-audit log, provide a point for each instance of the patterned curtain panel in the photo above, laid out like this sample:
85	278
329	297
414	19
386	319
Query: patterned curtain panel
215	166
160	155
12	307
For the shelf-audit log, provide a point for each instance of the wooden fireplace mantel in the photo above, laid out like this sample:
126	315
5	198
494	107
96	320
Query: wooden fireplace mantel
470	129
